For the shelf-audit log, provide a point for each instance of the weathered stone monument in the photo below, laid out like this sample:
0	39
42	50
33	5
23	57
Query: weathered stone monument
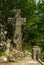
36	52
17	22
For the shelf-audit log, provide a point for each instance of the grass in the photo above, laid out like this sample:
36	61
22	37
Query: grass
28	48
3	54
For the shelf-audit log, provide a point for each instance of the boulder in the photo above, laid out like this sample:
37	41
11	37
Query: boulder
4	59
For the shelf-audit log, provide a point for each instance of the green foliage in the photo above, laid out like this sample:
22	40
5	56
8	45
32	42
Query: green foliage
4	54
26	6
0	53
42	56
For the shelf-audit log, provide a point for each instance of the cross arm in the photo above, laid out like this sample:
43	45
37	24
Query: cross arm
23	21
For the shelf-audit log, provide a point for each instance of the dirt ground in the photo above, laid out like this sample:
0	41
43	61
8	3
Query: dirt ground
25	61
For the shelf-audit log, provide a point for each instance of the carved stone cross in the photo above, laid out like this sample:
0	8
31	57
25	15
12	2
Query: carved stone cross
17	22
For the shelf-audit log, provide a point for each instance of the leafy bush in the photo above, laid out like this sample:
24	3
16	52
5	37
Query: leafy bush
42	56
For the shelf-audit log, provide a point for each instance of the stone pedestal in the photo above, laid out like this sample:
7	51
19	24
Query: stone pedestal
36	52
8	47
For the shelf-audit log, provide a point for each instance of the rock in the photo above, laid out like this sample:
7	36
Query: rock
26	53
4	59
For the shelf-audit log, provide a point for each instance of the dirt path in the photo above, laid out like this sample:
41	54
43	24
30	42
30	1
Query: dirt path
25	61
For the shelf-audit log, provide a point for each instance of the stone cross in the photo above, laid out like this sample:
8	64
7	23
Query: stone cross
19	22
